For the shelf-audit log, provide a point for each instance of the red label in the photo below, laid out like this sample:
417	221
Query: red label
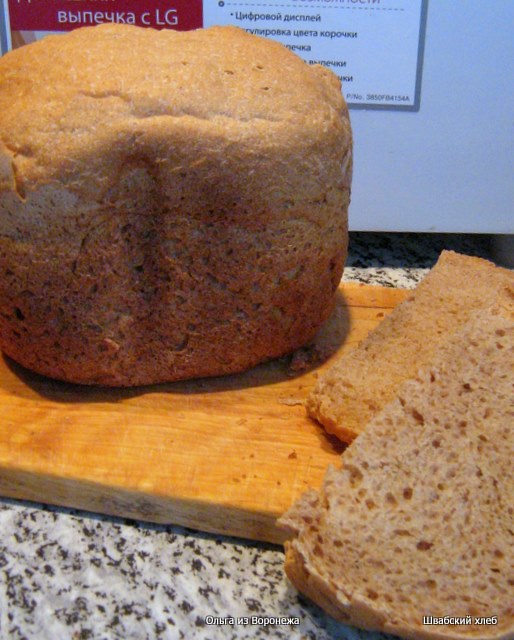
65	15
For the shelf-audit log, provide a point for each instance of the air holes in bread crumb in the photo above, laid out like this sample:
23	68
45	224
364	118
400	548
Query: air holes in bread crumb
390	499
355	475
372	595
407	493
424	545
418	416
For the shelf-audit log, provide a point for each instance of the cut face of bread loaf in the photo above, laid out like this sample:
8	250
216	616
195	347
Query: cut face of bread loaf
418	522
349	394
172	204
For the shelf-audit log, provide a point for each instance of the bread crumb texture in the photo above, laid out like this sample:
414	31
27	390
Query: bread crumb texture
172	204
361	383
419	520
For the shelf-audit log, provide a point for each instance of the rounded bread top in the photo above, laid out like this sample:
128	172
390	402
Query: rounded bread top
65	98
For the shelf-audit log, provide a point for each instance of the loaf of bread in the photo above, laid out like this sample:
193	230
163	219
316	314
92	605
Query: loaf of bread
172	204
357	386
417	525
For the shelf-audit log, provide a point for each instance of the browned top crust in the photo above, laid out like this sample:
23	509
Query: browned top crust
61	94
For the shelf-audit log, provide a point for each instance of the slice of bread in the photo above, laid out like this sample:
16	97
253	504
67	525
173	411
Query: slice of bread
419	521
349	394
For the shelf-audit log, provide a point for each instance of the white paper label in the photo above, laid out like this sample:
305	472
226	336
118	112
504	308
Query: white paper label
372	45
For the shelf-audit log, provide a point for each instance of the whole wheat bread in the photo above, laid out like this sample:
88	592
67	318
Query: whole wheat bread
349	394
173	204
419	521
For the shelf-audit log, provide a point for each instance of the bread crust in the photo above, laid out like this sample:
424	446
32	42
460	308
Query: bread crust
172	205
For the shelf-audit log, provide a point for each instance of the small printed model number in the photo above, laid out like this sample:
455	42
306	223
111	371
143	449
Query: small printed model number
385	97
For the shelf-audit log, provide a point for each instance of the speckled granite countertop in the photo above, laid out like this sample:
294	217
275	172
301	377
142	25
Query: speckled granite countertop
68	574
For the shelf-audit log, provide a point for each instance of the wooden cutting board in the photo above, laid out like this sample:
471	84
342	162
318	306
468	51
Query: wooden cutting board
225	455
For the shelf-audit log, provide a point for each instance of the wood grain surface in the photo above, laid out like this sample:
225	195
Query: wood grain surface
224	455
